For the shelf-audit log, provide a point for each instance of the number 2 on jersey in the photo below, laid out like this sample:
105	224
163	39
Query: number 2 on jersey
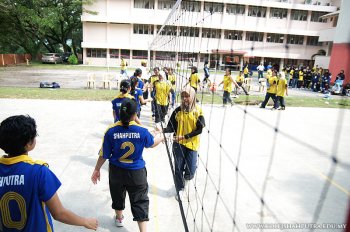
131	150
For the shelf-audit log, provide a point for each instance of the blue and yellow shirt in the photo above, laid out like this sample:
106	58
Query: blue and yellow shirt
25	186
123	146
137	93
117	102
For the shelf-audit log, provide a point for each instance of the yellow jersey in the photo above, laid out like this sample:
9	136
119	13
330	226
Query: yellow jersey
291	74
272	85
269	73
172	80
153	78
227	83
240	78
301	75
187	122
123	65
281	87
246	70
162	92
194	80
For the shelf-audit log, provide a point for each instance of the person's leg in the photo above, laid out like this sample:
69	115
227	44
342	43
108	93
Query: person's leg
191	164
245	91
225	97
164	110
117	190
179	158
266	100
138	194
276	102
173	95
282	103
157	113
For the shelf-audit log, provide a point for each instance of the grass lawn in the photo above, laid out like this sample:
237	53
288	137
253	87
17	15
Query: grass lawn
208	98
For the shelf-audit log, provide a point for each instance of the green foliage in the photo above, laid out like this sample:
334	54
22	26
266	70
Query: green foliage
73	59
36	24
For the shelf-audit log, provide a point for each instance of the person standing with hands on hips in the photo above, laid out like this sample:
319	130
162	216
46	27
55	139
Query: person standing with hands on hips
123	145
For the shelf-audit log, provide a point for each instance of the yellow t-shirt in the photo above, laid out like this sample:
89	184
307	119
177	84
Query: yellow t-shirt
172	80
268	73
123	65
291	74
240	78
301	75
194	80
227	84
153	79
246	70
281	87
162	91
187	122
273	85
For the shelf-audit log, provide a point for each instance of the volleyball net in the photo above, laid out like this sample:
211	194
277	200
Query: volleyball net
256	169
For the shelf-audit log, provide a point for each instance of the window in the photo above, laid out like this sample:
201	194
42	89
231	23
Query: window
191	57
114	53
96	53
143	29
125	53
274	38
254	36
139	54
213	7
189	31
165	55
295	39
166	5
167	30
257	11
278	13
313	40
315	17
234	35
145	4
211	33
191	6
235	9
300	15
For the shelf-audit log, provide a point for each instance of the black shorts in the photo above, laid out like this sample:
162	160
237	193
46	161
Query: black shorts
135	183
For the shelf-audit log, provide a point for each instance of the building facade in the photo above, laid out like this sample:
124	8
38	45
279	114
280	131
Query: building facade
231	32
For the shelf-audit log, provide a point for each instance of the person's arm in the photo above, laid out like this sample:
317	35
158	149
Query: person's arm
96	175
143	101
66	216
138	121
286	90
157	140
200	124
172	123
221	83
234	82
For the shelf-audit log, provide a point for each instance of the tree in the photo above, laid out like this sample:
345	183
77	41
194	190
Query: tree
36	24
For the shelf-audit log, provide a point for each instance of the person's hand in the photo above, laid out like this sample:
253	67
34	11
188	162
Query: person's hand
95	176
91	223
178	138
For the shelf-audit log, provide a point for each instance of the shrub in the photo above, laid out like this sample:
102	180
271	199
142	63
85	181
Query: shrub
72	59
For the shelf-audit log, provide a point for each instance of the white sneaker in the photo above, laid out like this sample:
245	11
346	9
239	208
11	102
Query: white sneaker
118	221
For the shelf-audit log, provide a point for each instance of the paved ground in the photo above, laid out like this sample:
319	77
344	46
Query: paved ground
70	134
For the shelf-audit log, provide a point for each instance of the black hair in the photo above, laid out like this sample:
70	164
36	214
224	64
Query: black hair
228	69
156	68
137	72
195	69
127	110
124	86
206	62
134	82
15	133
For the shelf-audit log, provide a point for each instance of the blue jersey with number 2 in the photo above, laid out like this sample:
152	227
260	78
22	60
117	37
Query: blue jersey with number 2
123	146
25	186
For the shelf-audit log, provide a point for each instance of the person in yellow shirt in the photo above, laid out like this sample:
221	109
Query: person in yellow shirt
282	89
172	80
162	91
240	80
301	78
228	81
291	74
152	79
246	71
186	122
123	65
271	89
194	79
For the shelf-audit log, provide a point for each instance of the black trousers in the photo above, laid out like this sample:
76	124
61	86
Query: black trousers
226	97
267	98
160	112
279	102
135	183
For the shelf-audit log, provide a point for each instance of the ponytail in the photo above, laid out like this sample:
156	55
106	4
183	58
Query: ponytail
127	110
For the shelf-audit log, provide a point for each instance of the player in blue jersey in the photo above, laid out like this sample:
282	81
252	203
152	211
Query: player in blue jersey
125	88
137	93
28	189
123	145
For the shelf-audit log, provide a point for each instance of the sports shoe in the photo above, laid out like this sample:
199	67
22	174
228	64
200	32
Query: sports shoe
118	221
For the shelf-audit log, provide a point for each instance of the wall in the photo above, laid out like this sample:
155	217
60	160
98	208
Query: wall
11	59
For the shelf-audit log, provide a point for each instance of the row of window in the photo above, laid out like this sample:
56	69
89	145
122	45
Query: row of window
228	34
234	9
